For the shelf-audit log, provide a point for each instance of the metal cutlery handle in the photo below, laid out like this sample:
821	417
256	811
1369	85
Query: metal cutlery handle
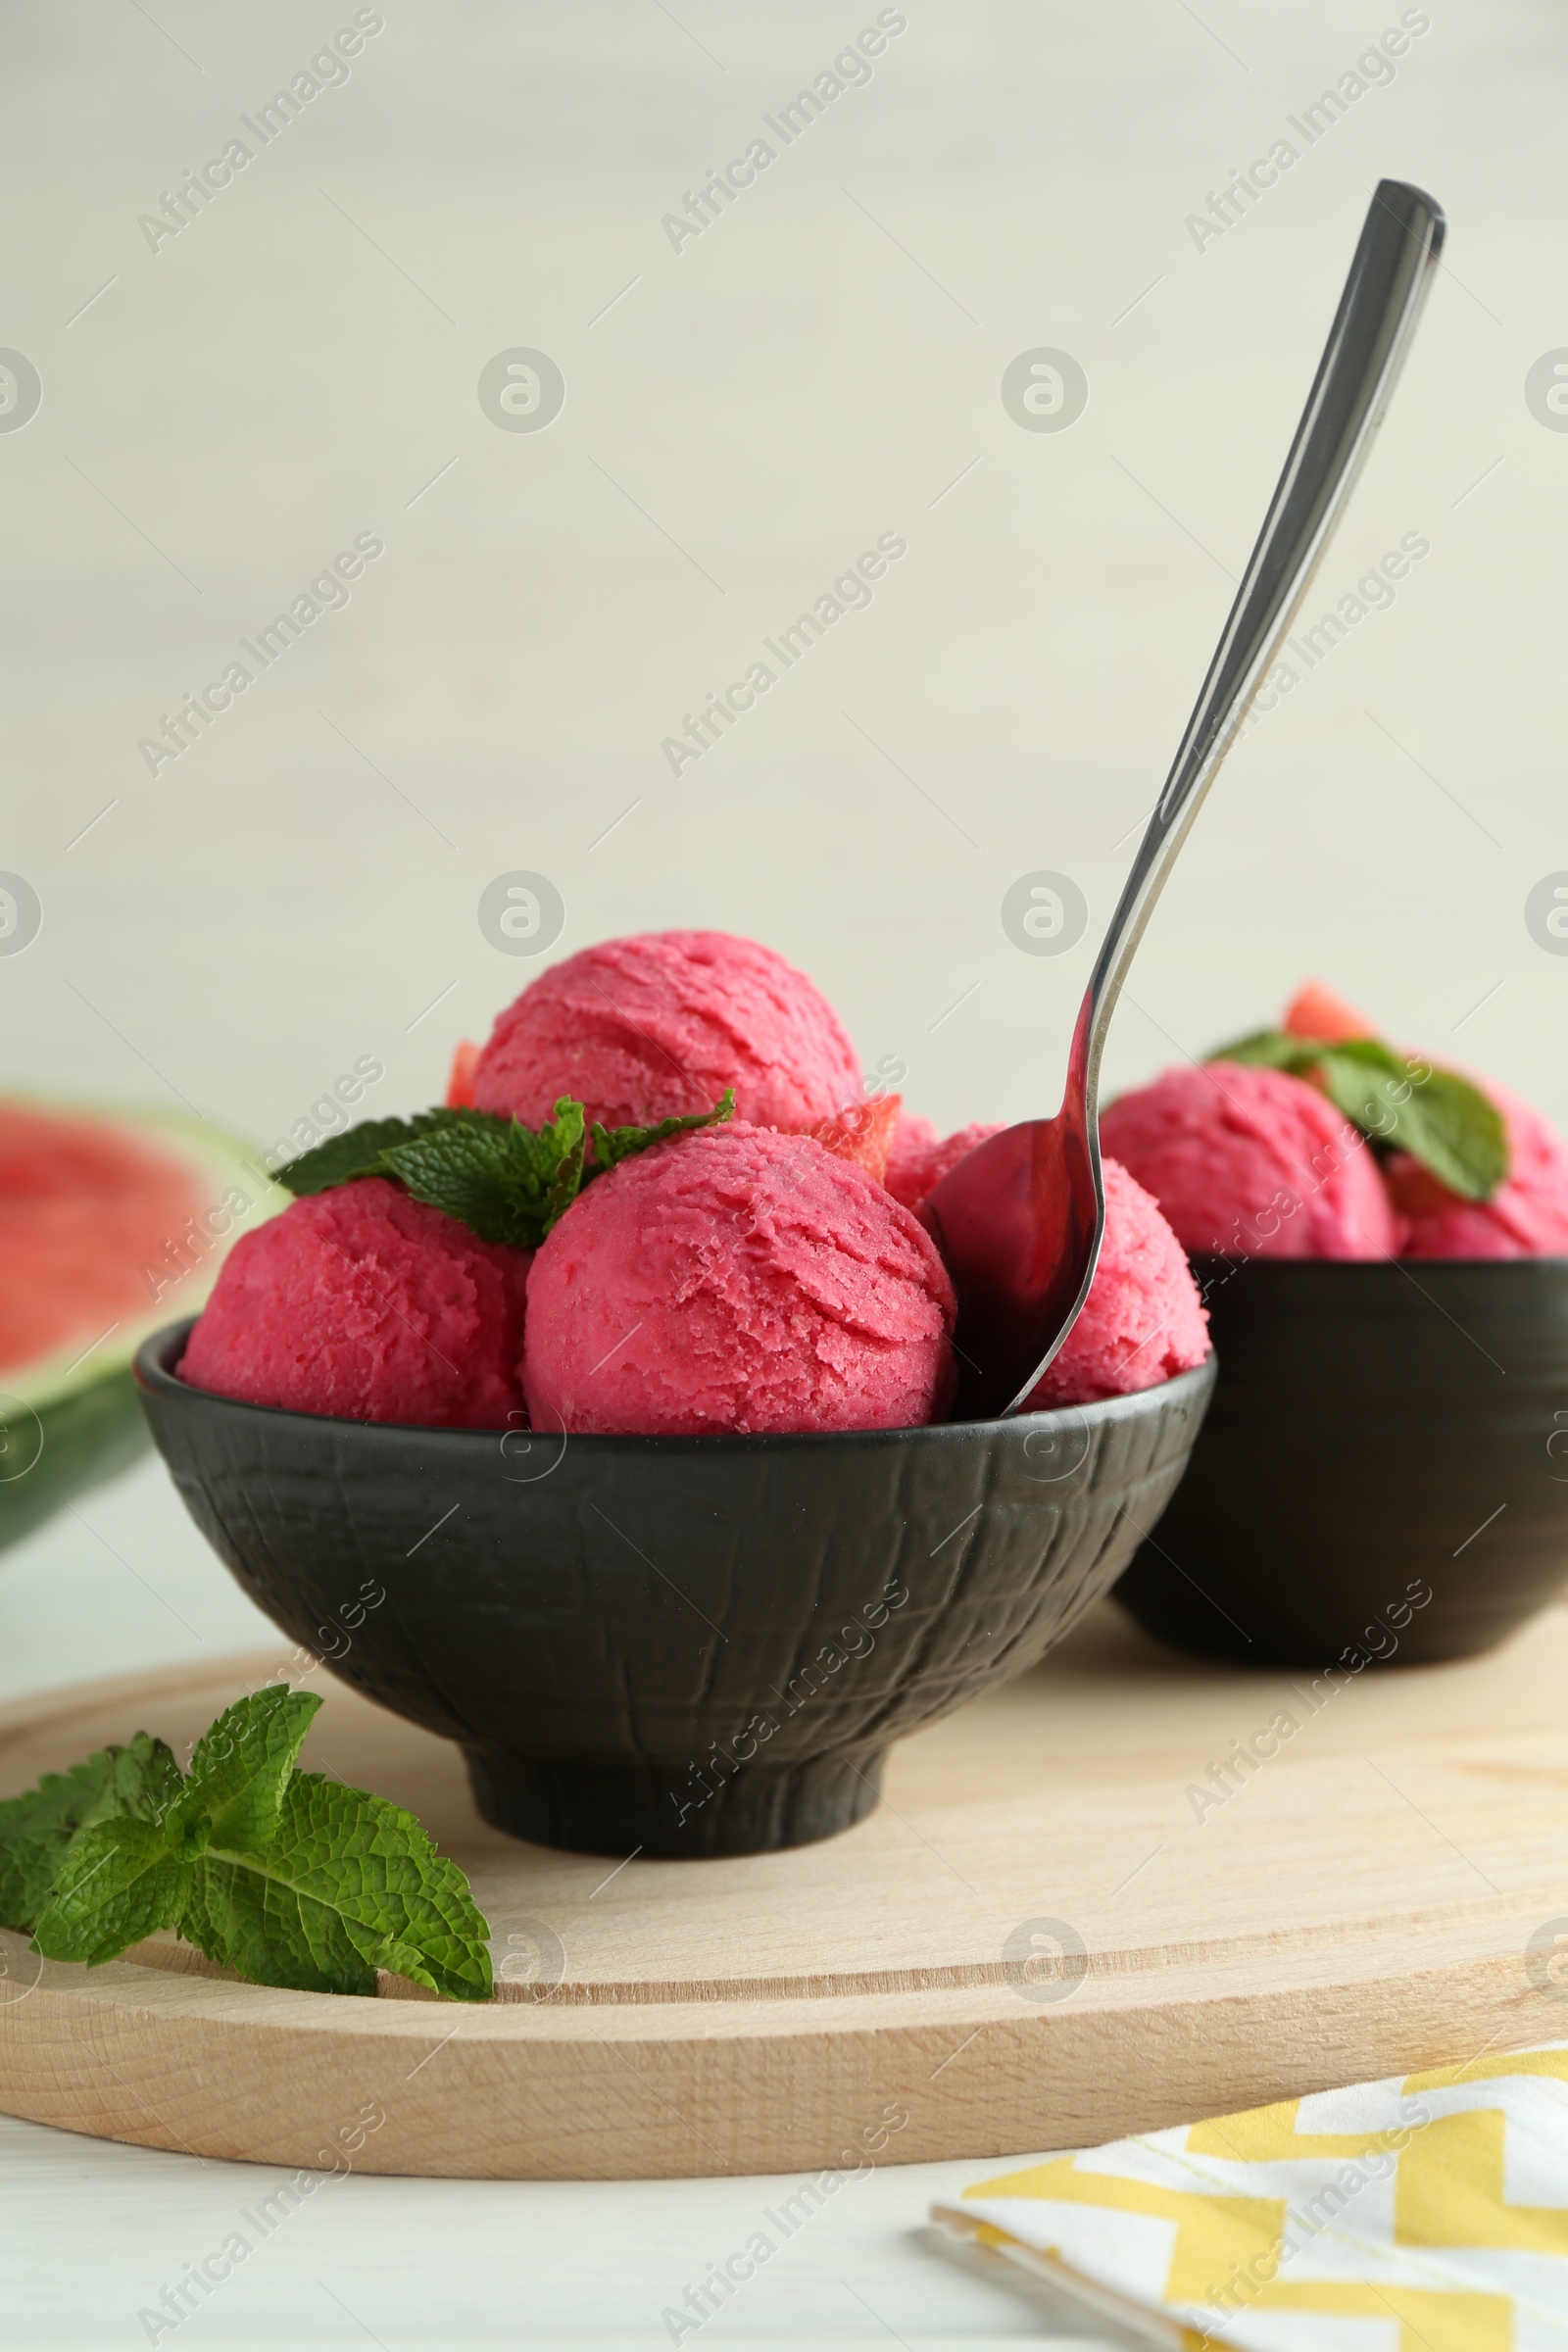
1377	317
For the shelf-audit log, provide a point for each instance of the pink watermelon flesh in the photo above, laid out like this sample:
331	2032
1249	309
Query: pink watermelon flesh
1316	1011
84	1207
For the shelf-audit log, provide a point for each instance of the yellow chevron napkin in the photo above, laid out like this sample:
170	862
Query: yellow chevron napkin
1425	2214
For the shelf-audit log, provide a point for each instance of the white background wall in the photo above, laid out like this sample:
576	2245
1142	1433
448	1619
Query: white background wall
300	360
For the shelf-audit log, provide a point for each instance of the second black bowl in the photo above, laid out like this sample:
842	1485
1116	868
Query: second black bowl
679	1645
1384	1474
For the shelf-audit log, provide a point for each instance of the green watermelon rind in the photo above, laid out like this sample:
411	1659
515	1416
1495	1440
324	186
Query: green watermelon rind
84	1401
89	1434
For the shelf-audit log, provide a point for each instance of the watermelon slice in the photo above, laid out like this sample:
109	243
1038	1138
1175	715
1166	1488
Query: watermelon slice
460	1082
862	1133
112	1223
1316	1011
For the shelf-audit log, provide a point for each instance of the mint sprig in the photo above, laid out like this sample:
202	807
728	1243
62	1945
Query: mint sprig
233	1792
359	1150
613	1144
505	1181
1438	1117
36	1826
116	1883
285	1876
346	1883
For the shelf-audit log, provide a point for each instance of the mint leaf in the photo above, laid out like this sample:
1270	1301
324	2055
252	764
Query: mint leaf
283	1874
357	1153
1438	1117
239	1769
29	1865
613	1144
1364	1079
37	1827
1452	1129
266	1934
346	1885
505	1181
1448	1126
1272	1050
118	1883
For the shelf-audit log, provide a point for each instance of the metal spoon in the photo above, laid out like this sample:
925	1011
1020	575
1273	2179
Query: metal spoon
1019	1221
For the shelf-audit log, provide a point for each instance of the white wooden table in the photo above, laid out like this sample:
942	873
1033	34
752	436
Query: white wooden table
226	409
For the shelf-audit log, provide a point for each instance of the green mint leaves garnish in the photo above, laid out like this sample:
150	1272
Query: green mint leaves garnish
233	1792
505	1181
116	1883
346	1885
358	1151
611	1144
36	1828
1438	1117
285	1876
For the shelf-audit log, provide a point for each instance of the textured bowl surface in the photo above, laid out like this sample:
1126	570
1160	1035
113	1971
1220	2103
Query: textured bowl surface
1379	1430
691	1646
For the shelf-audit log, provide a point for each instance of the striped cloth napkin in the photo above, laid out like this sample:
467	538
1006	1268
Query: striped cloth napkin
1425	2214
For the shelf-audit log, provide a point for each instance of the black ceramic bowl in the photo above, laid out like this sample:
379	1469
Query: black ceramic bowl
691	1646
1380	1431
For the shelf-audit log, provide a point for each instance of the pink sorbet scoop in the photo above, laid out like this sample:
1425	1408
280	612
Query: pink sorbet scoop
655	1026
1253	1163
1143	1321
1527	1216
920	1157
364	1303
737	1279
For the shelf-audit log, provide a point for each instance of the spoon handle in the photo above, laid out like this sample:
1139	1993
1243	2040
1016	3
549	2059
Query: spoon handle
1371	333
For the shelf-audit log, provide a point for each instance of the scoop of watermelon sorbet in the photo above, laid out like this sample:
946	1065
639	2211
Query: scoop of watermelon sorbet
1527	1216
1253	1163
368	1306
737	1279
1143	1321
655	1026
920	1157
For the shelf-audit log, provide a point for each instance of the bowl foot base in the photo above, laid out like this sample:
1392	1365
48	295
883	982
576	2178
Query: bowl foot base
620	1809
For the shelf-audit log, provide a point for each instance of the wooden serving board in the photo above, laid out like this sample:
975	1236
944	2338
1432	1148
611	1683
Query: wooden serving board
1359	1905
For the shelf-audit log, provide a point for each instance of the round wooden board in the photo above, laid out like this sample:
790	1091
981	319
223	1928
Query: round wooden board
1359	1905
